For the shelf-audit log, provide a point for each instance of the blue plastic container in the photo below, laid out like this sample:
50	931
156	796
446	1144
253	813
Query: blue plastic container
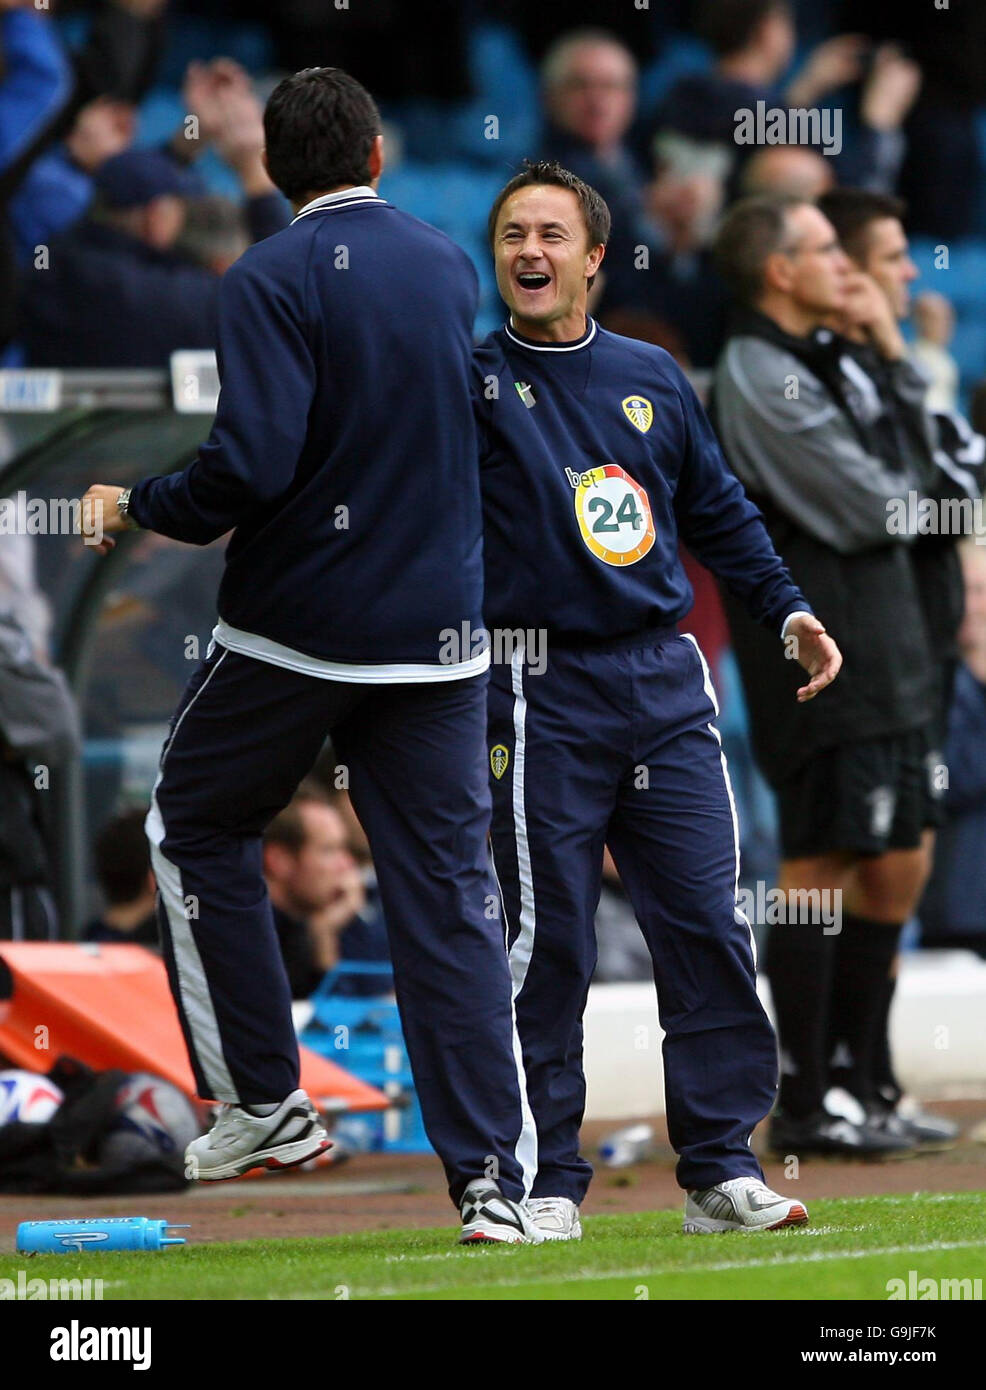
362	1032
95	1233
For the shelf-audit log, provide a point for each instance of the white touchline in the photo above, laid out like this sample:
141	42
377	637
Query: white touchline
816	1257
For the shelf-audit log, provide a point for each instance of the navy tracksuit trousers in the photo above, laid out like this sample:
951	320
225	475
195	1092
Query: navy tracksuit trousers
616	745
244	735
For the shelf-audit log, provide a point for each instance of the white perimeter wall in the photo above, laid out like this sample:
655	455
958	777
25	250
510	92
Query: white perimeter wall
938	1029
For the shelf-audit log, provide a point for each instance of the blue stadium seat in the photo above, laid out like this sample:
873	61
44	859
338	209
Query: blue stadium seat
445	194
161	113
968	347
455	197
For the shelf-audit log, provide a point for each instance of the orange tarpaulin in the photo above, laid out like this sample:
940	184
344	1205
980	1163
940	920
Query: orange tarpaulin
110	1006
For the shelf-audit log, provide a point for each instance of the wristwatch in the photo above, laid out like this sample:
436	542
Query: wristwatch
123	507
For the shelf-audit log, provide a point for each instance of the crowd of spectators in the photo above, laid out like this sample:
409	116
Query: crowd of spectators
112	252
100	232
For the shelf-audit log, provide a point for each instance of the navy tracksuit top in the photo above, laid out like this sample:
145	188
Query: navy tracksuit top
596	456
344	447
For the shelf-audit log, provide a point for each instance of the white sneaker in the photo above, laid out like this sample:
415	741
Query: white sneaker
557	1217
239	1141
740	1204
489	1218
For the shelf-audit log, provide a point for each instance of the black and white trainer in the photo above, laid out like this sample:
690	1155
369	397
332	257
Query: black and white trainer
489	1218
241	1140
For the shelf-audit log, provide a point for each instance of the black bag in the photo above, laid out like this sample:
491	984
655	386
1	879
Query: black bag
63	1156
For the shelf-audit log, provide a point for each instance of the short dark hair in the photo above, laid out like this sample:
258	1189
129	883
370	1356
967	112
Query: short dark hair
534	174
852	210
753	229
288	826
319	127
122	858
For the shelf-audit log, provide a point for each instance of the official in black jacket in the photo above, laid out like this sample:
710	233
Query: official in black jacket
806	429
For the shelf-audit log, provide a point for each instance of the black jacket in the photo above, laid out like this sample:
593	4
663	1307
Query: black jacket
822	485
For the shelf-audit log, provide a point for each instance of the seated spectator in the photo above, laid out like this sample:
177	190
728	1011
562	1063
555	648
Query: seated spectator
754	42
34	86
315	885
116	291
215	233
57	190
953	912
934	322
788	171
589	91
673	296
126	880
43	88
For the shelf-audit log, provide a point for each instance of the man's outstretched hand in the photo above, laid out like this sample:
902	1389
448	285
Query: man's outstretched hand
99	517
816	652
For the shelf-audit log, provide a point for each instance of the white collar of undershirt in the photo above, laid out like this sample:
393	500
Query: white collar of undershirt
344	197
580	343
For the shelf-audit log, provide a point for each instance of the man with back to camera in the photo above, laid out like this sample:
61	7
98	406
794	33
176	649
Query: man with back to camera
344	455
595	455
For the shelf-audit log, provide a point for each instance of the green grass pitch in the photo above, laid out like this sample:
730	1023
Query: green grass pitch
850	1251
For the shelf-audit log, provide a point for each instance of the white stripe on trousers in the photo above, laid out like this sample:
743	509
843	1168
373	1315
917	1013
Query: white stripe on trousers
523	947
519	955
193	987
710	691
526	1148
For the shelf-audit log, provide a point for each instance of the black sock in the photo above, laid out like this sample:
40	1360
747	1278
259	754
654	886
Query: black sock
888	1088
864	955
799	963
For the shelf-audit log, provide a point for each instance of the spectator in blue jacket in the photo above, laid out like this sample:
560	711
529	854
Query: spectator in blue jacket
953	913
57	190
116	290
43	88
37	76
35	83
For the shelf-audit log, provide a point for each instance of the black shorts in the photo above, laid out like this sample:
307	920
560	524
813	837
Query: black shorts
865	797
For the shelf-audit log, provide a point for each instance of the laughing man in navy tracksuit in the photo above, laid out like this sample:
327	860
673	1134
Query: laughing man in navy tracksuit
595	457
343	459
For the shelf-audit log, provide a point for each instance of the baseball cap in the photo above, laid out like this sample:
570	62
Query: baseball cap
136	177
